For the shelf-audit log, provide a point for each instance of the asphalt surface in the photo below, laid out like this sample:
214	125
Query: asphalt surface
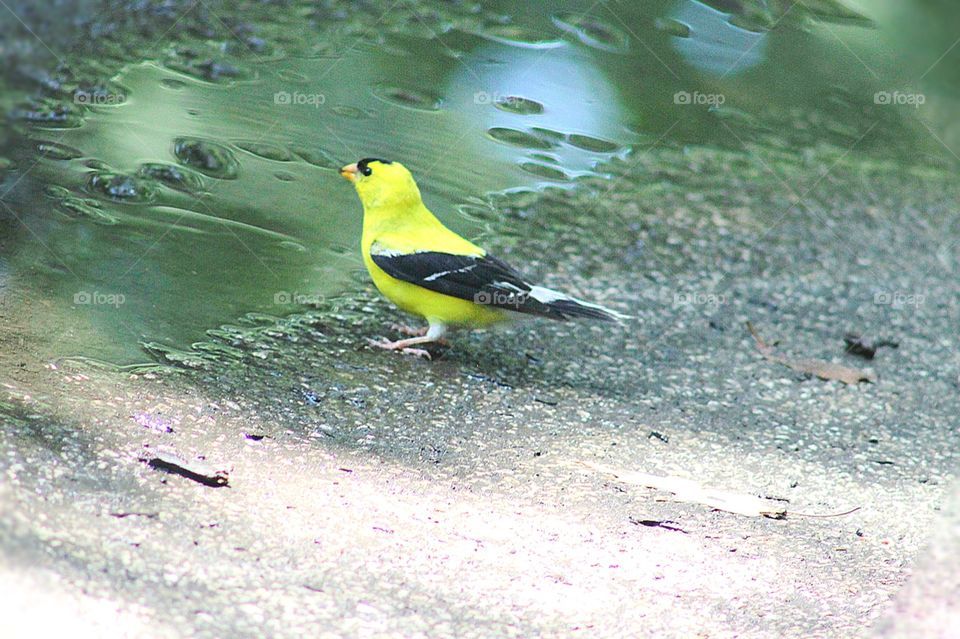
372	494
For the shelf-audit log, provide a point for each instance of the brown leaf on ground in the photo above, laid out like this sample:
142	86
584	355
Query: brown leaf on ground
823	369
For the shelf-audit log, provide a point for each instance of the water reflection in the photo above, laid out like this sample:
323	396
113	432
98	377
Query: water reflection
712	44
554	113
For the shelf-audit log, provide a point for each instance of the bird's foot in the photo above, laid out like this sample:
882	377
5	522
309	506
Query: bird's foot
409	330
417	333
404	346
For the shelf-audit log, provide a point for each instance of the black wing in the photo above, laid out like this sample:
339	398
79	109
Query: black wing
481	279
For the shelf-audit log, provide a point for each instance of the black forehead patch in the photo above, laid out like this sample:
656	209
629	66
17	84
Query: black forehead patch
362	165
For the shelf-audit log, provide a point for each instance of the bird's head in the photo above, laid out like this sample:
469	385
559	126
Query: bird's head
382	182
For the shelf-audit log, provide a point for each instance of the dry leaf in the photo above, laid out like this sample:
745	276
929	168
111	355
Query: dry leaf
821	368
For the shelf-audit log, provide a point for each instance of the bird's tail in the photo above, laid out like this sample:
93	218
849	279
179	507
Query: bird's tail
563	307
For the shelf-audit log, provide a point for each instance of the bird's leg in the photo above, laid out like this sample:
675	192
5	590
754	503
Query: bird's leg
434	334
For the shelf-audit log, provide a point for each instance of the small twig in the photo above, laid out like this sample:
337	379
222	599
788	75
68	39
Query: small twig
843	514
135	514
193	469
666	524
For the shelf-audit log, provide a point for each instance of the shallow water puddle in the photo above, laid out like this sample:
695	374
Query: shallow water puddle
193	202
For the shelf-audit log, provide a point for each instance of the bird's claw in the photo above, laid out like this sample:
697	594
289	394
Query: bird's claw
380	342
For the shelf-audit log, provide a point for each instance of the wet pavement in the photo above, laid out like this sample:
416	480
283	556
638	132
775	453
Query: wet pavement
371	494
378	494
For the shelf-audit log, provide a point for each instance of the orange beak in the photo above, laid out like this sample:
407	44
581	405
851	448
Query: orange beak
349	172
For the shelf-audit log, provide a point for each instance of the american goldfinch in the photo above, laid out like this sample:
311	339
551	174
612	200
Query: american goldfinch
428	270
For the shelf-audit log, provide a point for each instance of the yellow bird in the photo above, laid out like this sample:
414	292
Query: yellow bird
428	270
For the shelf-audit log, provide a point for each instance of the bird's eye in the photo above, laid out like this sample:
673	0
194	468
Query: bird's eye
364	165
